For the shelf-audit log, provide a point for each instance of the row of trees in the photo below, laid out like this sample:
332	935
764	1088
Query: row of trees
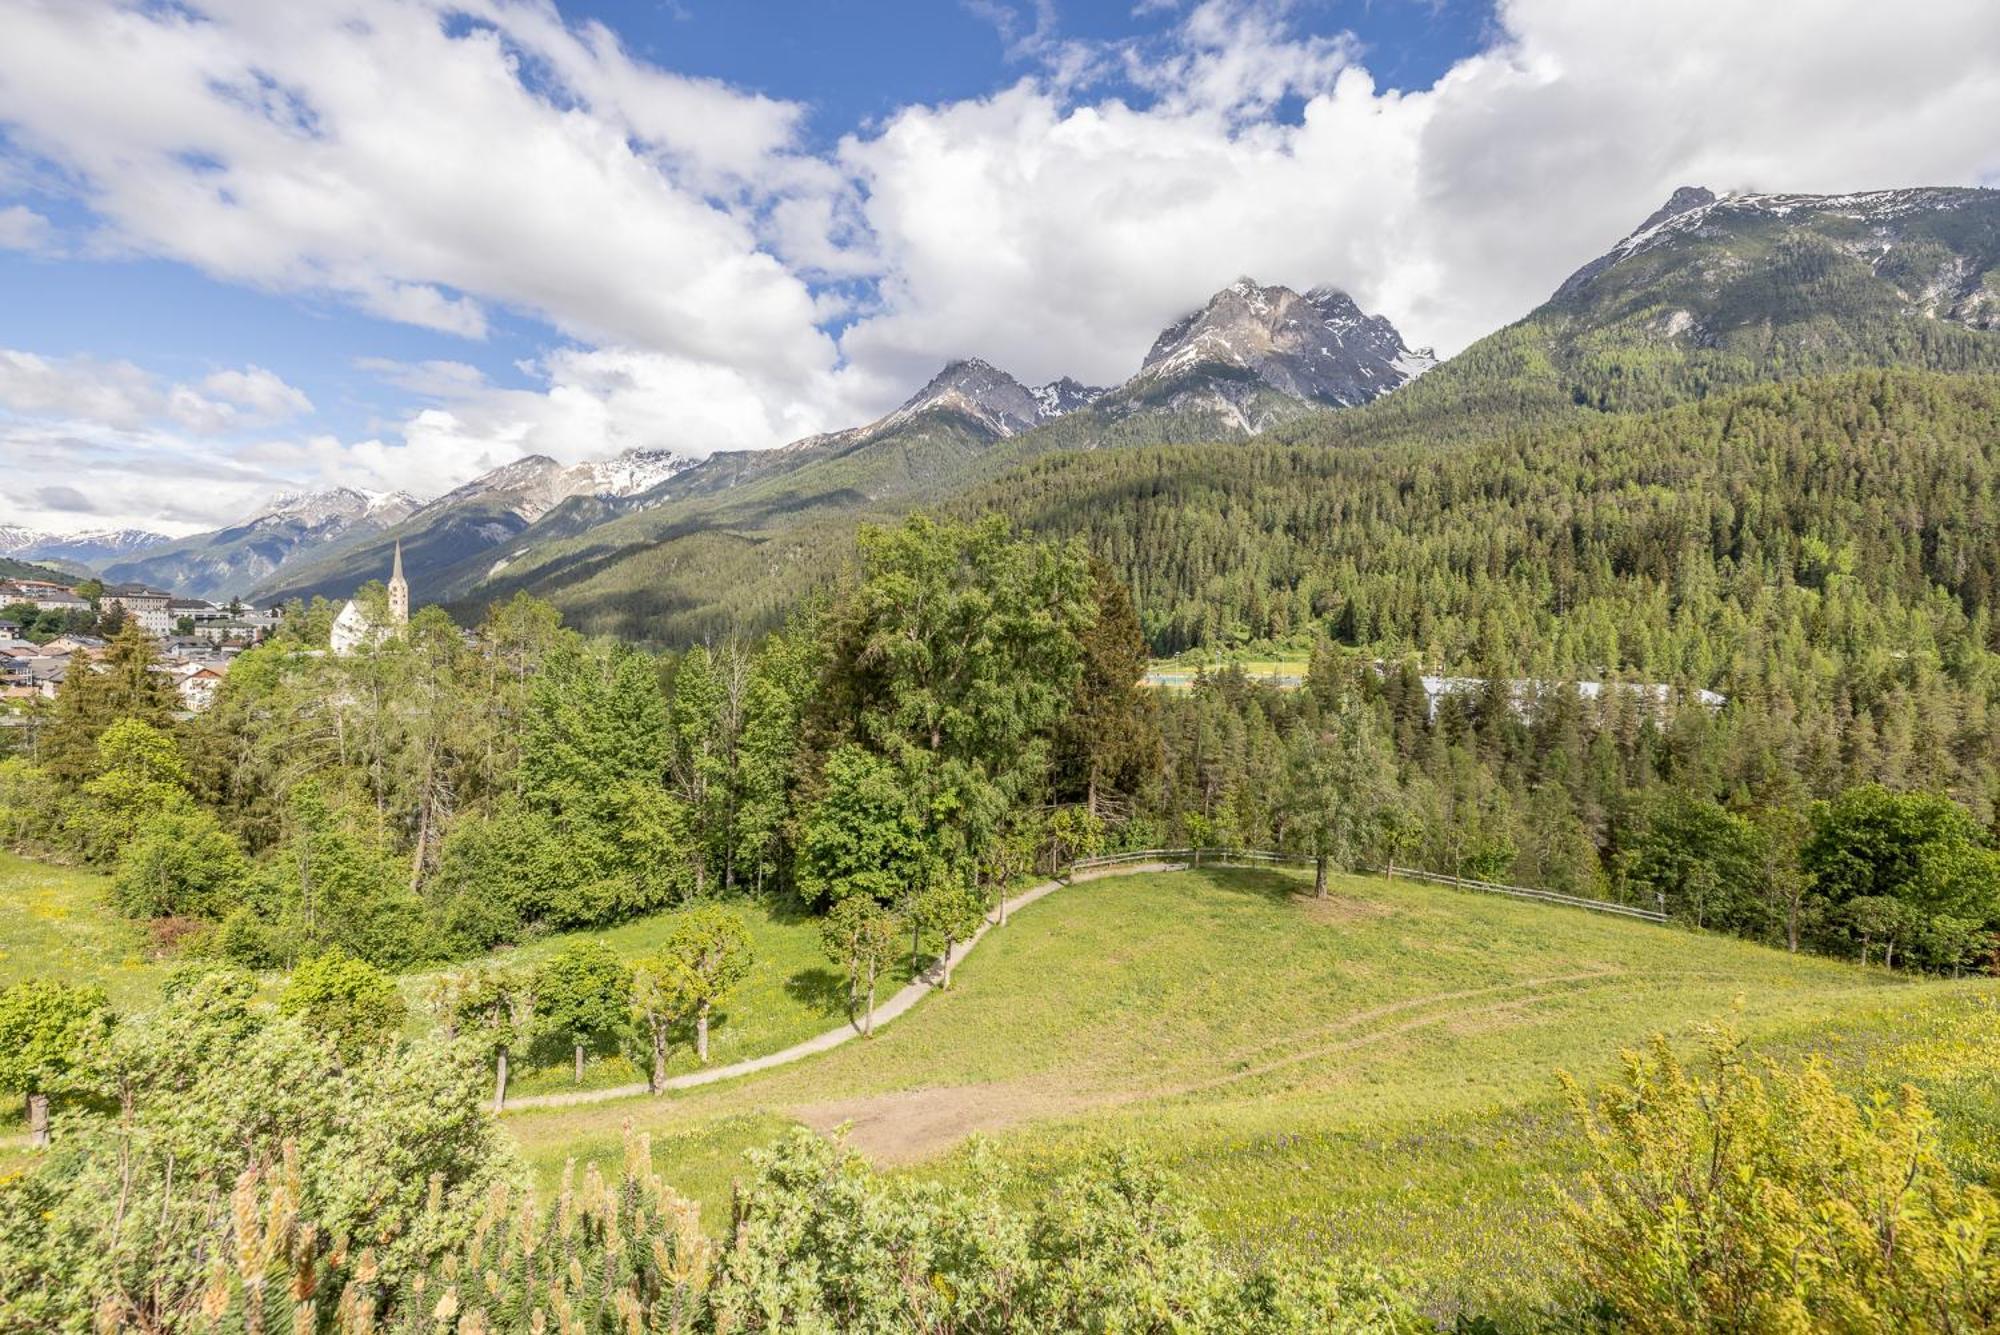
584	998
1637	796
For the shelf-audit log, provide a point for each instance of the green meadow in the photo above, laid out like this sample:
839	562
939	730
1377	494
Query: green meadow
1376	1070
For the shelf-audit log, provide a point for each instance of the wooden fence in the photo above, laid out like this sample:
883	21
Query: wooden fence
1239	856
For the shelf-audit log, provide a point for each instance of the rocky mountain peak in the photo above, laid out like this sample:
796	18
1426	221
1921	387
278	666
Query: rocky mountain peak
1065	396
1319	347
979	390
1684	200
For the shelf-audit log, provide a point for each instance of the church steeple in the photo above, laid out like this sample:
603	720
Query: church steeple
399	590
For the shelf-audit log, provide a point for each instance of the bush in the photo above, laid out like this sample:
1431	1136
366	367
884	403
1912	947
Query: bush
350	1003
1728	1199
179	864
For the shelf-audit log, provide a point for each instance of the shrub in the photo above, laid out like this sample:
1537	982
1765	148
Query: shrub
1728	1199
349	1002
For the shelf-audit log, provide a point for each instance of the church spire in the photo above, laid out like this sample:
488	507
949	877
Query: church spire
399	590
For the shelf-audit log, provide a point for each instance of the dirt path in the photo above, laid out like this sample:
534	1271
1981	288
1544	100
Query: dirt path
885	1013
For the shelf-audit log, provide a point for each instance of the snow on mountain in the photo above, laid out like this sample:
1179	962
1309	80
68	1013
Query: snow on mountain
627	474
89	547
334	506
1065	396
1906	237
979	390
1318	347
530	487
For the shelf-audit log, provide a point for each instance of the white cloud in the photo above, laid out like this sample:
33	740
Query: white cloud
1055	235
424	160
136	448
21	228
260	391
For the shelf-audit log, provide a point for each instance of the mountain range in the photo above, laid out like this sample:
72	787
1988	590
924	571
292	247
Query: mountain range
77	553
1707	293
1250	357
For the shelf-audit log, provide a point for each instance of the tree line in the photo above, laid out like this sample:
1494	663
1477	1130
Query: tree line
440	792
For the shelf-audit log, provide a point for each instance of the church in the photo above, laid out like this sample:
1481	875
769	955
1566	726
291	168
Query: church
355	627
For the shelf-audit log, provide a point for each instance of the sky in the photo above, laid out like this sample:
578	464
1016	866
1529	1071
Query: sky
248	248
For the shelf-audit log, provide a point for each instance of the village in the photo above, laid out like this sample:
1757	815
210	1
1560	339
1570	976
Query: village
50	629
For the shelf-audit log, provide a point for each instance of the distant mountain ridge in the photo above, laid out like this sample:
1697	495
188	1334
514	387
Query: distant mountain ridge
229	562
469	521
87	548
1250	356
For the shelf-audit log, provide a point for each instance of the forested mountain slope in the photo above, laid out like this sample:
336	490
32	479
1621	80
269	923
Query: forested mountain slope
1705	296
1675	543
733	541
1709	293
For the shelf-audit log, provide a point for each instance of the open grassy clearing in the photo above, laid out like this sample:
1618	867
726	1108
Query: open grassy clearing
791	994
54	922
1180	673
1374	1070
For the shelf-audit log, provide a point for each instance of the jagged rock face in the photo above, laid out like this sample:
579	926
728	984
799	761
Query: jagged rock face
989	396
290	527
1704	265
1250	342
530	487
1066	395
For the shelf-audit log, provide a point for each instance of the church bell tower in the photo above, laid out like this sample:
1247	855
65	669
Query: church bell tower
399	591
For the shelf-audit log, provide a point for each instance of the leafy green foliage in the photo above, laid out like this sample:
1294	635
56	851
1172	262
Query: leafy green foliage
860	839
704	958
581	996
860	936
347	1001
47	1032
1722	1199
243	1165
1917	868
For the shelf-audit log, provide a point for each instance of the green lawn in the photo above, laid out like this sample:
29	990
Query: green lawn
53	920
1375	1071
791	994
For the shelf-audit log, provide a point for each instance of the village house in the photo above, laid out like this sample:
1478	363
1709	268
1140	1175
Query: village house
87	645
148	607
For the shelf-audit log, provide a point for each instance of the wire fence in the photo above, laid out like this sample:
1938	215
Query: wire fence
1260	856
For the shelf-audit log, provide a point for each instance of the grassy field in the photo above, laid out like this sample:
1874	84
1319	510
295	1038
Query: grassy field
1375	1070
1179	674
53	920
791	994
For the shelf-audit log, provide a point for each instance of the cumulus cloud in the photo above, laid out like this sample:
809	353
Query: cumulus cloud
1054	233
425	161
21	228
707	283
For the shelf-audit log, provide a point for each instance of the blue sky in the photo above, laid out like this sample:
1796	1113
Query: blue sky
391	243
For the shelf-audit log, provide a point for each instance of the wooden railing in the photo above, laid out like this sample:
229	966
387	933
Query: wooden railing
1236	856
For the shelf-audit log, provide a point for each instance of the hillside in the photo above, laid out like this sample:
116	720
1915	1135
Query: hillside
732	542
1378	1067
1707	296
12	568
1709	293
